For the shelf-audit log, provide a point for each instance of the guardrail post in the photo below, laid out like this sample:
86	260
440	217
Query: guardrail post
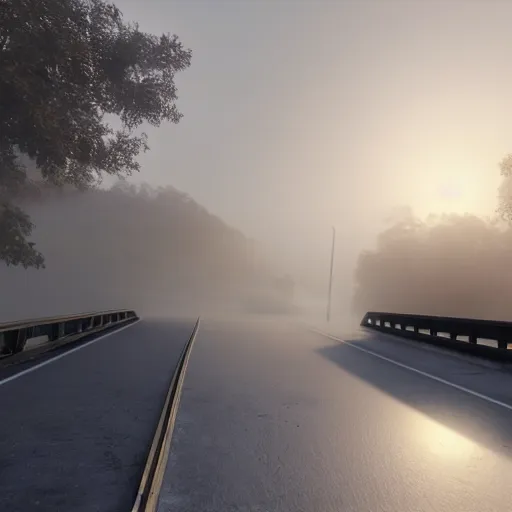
10	342
53	332
21	340
15	340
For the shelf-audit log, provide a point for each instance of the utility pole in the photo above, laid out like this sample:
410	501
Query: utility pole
330	275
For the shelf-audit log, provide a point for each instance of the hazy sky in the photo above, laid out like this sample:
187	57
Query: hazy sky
303	114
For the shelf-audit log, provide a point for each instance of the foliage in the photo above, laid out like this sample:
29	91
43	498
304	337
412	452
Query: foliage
452	265
505	190
64	66
15	226
153	249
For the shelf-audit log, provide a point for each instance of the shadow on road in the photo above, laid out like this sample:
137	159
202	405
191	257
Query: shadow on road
485	423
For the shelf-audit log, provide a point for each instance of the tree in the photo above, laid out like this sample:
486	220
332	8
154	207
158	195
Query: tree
449	265
505	190
188	259
64	66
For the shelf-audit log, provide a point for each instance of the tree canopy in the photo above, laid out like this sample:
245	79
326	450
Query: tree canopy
65	65
451	265
447	265
152	249
505	190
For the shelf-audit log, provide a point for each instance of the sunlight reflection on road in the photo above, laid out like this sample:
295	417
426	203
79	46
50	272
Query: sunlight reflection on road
443	442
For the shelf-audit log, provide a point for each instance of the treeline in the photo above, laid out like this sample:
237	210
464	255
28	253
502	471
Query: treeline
450	265
154	249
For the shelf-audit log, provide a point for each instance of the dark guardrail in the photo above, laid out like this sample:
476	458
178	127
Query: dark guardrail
485	338
14	335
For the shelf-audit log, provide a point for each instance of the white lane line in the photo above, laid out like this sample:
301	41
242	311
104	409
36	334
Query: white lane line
60	356
420	372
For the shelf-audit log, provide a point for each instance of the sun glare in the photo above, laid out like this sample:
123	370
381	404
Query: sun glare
455	195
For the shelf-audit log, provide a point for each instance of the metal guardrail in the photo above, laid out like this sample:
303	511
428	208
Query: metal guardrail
446	331
14	335
152	477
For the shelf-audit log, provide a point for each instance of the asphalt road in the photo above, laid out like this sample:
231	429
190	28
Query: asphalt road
275	418
74	434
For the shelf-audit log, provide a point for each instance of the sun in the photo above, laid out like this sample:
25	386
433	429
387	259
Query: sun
452	195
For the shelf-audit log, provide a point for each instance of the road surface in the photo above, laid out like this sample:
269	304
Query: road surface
75	434
274	418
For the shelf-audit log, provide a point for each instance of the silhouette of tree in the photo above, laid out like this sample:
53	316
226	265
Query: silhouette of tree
449	265
128	246
505	190
64	66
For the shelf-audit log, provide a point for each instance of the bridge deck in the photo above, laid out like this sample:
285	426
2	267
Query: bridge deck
273	418
75	433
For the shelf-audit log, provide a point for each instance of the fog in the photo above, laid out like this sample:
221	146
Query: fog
298	116
151	249
449	265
